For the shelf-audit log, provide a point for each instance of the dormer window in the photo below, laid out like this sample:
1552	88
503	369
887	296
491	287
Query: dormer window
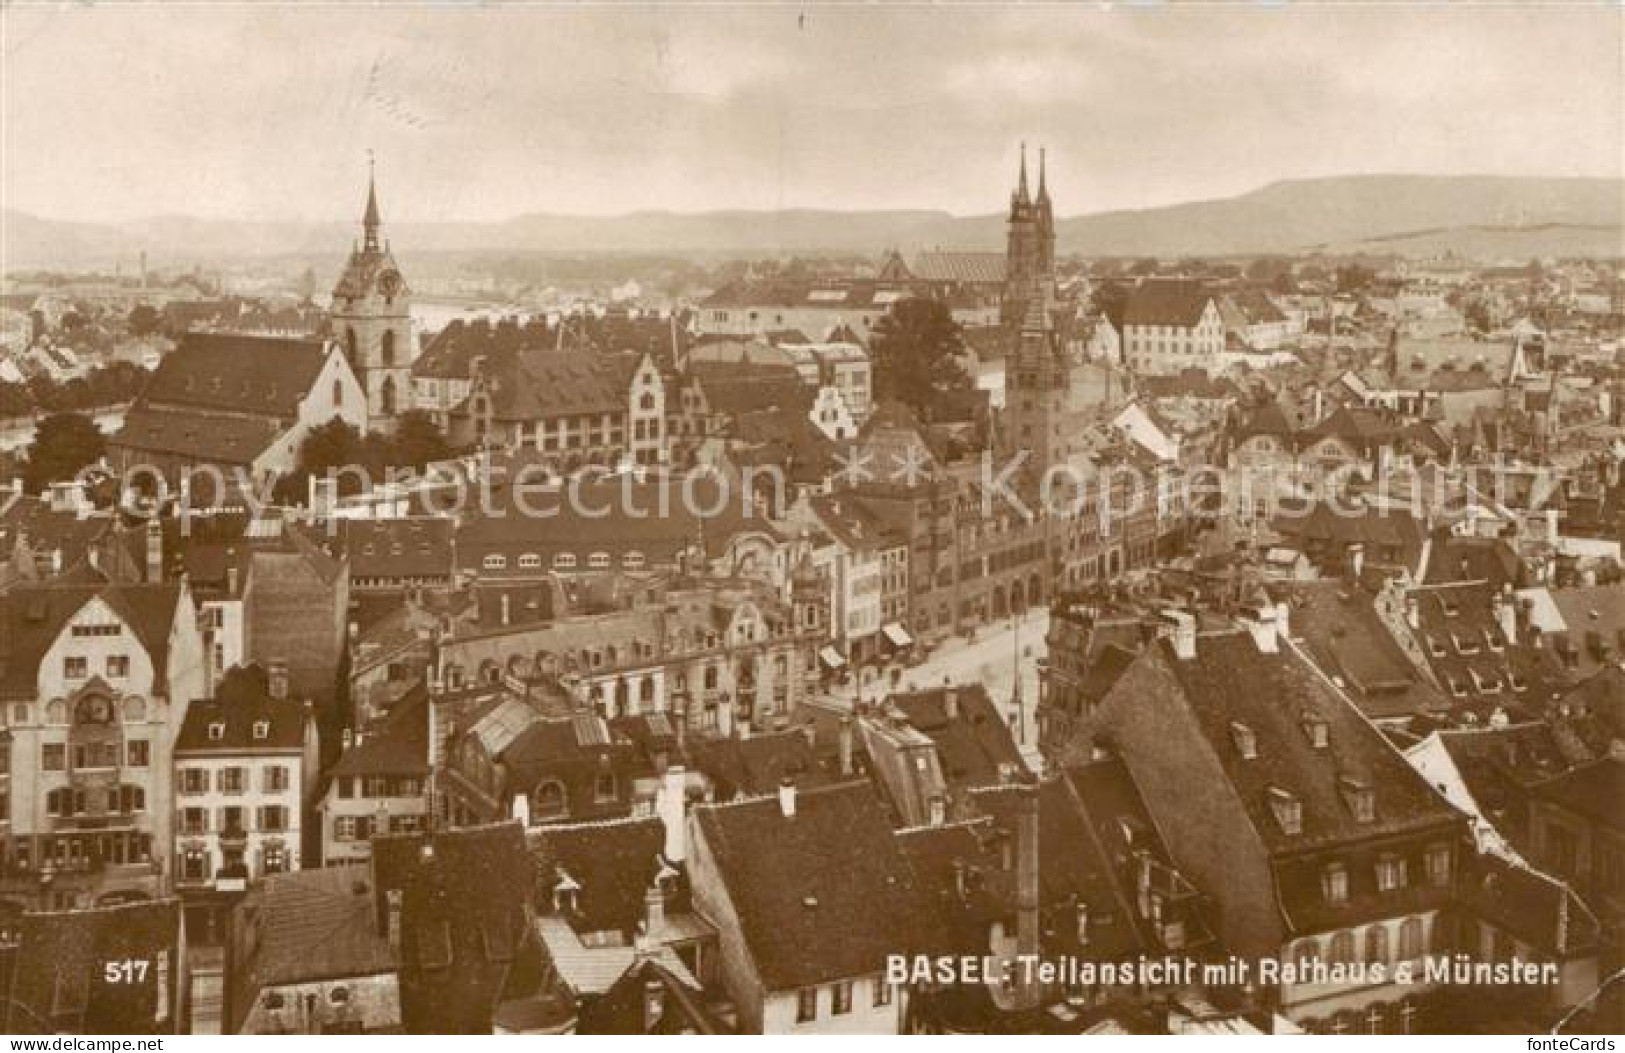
1457	688
1391	873
565	894
1493	642
1469	646
1317	731
217	731
1246	742
262	729
1334	883
1288	810
1435	648
1516	679
1489	684
1359	797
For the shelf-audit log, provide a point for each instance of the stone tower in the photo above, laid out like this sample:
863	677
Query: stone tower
1036	374
372	321
1029	255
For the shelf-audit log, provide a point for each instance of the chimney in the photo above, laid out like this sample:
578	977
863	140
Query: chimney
506	610
654	909
846	744
277	678
654	1004
1184	634
1027	894
155	550
231	572
787	797
1413	612
810	730
1356	561
725	717
939	810
950	702
1506	612
1261	623
521	809
672	803
392	922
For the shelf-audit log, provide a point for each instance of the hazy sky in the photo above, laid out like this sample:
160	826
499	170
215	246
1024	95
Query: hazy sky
486	111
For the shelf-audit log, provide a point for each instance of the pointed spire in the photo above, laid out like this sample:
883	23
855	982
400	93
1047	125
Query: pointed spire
1021	185
369	220
1043	191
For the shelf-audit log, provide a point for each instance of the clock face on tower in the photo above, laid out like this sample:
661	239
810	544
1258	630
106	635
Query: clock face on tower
389	283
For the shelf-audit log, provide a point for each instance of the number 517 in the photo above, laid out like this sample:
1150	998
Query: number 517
128	971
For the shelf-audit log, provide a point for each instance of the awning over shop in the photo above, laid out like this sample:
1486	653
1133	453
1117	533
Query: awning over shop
898	635
832	658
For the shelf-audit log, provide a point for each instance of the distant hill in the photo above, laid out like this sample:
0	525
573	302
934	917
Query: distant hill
1484	216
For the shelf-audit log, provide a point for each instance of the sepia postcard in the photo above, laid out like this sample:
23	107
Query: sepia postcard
811	519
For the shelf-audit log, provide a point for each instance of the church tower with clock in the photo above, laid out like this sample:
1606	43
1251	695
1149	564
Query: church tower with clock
372	321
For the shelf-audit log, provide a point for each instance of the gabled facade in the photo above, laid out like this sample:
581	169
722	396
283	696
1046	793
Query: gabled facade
97	682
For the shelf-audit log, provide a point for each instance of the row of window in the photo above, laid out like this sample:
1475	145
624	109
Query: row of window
93	709
195	864
1342	948
119	800
77	667
1393	874
54	755
268	818
565	561
808	1002
274	778
363	827
378	786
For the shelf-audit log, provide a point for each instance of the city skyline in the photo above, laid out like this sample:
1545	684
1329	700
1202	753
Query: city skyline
693	110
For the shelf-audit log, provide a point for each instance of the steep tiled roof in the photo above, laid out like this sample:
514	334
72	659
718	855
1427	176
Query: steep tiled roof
215	439
262	375
985	268
973	746
58	984
1593	790
756	765
820	896
1166	302
450	354
398	746
1536	908
1470	655
736	388
241	709
465	895
852	295
534	385
1279	697
418	546
31	618
611	866
311	925
1343	634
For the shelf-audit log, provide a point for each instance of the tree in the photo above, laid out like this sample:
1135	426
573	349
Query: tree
63	444
1354	277
1109	299
915	346
418	441
144	320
